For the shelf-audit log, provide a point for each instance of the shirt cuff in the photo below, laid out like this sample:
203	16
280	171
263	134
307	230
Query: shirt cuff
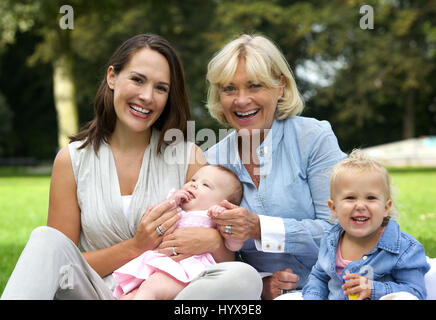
272	234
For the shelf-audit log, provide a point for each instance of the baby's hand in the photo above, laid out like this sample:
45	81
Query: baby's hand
215	210
357	284
181	196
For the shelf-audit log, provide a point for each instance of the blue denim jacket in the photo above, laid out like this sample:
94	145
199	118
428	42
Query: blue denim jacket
397	263
295	161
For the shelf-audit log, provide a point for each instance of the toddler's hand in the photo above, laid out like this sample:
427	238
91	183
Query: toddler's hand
215	210
357	284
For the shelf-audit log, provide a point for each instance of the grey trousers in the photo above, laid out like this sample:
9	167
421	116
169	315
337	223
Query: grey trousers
52	267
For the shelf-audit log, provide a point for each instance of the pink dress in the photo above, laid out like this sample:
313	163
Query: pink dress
133	273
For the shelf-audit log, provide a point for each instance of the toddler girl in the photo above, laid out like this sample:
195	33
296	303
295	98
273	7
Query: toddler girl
365	255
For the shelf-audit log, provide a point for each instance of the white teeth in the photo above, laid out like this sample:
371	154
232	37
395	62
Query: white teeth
244	114
360	219
141	110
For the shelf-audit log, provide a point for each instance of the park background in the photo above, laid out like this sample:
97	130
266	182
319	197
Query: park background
374	85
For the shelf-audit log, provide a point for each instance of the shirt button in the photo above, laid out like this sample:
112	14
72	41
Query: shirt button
279	247
300	267
364	257
262	199
267	246
264	176
261	152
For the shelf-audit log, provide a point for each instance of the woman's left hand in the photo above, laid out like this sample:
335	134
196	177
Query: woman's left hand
190	241
236	222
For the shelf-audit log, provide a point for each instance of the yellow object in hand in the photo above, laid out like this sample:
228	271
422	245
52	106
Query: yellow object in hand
353	296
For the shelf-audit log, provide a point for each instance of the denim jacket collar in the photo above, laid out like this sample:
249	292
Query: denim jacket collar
389	241
391	237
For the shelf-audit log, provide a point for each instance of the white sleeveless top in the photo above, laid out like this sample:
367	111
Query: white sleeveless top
103	222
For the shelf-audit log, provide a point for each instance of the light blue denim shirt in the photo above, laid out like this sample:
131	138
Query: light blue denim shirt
397	263
295	161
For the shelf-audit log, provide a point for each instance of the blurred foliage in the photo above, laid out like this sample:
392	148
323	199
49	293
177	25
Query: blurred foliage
374	86
6	116
28	93
385	88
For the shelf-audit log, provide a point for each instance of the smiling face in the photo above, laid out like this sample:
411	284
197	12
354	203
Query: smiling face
360	202
140	90
209	186
248	104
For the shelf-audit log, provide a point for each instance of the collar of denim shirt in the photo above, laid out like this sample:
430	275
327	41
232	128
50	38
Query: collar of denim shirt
389	241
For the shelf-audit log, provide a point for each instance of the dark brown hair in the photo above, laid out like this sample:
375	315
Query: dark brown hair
176	112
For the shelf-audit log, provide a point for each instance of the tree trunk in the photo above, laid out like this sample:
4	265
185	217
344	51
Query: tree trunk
64	98
409	116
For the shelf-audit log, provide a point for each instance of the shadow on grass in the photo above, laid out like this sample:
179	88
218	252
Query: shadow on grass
411	170
40	171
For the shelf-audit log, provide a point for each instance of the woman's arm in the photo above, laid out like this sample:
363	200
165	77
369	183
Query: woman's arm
191	241
64	215
302	237
63	209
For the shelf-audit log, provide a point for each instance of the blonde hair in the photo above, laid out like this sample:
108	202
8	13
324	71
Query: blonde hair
358	160
265	64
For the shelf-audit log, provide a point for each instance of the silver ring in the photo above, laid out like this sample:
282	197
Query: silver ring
174	251
228	229
159	230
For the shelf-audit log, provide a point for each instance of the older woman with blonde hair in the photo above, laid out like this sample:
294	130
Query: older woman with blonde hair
282	159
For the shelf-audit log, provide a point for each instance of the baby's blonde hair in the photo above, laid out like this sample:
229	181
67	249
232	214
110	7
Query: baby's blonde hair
264	62
358	160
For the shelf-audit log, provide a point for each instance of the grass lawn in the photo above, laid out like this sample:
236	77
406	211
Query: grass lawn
24	204
416	201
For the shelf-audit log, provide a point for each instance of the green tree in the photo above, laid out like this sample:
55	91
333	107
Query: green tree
54	48
383	87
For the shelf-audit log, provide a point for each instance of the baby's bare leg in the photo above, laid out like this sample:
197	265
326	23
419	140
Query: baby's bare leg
159	286
129	296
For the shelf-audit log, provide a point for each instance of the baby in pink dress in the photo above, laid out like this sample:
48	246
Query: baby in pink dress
144	277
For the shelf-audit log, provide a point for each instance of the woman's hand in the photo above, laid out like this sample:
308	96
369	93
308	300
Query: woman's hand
241	223
191	241
165	215
273	285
